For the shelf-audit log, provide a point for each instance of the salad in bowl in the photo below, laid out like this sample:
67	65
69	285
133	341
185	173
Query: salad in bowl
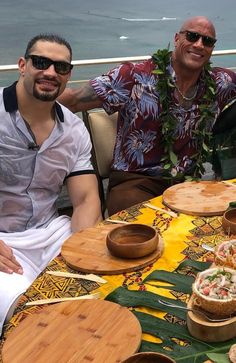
214	290
225	254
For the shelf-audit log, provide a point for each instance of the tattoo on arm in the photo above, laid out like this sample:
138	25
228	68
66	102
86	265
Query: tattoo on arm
87	94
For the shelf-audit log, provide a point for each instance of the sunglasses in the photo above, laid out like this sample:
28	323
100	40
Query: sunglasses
43	63
193	37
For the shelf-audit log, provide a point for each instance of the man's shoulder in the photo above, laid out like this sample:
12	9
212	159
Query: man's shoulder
68	118
67	114
218	71
145	65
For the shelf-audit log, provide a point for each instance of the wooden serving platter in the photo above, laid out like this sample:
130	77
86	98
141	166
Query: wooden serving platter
207	331
80	331
203	198
86	251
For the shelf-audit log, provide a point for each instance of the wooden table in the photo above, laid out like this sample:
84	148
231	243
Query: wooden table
183	237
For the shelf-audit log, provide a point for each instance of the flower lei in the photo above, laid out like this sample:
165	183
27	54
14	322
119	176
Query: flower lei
164	86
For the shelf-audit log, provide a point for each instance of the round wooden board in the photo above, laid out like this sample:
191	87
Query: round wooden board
207	331
204	198
86	251
80	331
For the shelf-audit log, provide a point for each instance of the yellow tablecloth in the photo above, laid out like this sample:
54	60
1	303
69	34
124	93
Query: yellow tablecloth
183	237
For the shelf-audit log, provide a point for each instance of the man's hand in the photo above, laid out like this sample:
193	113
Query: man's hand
8	262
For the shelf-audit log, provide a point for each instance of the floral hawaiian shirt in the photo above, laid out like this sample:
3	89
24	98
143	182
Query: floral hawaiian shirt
130	89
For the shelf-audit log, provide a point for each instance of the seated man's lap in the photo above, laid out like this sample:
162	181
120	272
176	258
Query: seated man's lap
127	189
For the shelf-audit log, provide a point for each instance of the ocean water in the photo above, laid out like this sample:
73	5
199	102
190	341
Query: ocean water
109	28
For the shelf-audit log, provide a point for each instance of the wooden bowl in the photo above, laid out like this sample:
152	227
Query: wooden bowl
149	357
229	221
132	241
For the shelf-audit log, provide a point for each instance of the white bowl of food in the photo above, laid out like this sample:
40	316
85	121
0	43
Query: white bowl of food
225	254
214	290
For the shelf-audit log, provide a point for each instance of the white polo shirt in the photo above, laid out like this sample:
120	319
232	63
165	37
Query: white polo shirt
31	178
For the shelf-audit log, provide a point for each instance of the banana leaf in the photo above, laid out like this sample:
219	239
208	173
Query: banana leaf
191	350
195	265
218	357
132	298
180	282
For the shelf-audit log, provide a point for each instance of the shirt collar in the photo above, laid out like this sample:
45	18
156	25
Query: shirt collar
11	104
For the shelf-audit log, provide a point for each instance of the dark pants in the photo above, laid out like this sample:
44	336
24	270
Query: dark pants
127	189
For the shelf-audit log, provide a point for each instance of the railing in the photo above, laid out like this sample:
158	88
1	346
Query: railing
102	61
89	68
91	62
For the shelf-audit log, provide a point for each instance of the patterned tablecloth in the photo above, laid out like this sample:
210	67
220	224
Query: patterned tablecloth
183	238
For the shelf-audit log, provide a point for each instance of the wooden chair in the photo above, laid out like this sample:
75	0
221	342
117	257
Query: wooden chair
102	128
224	143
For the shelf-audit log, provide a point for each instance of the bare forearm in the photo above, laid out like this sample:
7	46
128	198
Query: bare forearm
85	216
80	99
84	196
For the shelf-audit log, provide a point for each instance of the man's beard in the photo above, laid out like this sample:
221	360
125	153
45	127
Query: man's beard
46	96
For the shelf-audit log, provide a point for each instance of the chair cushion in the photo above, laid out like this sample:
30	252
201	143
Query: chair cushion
103	128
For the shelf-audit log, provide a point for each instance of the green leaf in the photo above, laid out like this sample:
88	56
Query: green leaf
158	71
205	147
179	282
194	350
148	299
173	157
196	265
218	358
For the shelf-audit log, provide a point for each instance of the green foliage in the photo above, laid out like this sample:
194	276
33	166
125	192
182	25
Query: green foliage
191	350
218	358
165	85
179	282
195	265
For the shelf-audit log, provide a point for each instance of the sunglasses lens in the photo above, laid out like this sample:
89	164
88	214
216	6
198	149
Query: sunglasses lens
40	62
62	67
43	63
194	37
208	42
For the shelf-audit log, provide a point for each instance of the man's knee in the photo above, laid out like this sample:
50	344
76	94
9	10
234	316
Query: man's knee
124	196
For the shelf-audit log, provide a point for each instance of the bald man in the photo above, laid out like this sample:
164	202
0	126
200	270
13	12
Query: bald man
163	122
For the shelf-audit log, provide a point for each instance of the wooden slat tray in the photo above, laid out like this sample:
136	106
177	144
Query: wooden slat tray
79	331
204	198
86	251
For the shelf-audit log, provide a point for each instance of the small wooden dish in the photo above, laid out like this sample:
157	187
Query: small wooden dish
229	221
132	241
149	357
207	331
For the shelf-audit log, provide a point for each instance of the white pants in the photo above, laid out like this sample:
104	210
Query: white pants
33	249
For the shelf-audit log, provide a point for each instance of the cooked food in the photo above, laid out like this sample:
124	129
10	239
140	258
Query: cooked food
215	290
232	353
225	254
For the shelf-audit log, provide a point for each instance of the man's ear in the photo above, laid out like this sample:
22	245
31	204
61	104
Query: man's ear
176	38
21	65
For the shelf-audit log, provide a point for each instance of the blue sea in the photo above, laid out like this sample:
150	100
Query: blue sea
109	28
